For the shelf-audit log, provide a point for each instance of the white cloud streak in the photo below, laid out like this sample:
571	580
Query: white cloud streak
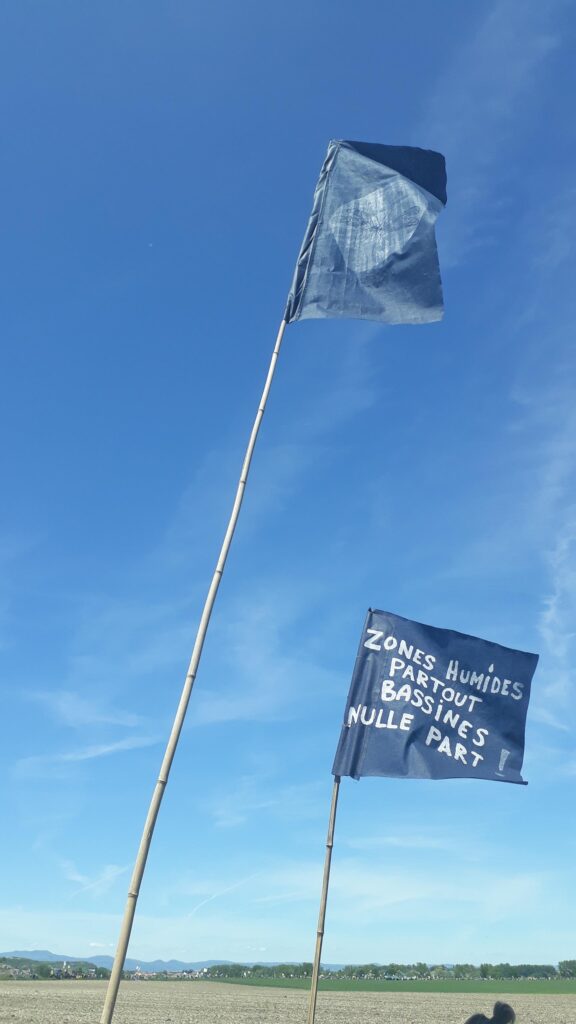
480	106
421	840
221	892
39	764
73	710
98	884
254	794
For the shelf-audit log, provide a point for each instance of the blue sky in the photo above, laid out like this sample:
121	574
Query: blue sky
157	180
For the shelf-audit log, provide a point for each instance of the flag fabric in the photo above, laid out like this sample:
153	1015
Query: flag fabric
369	251
428	703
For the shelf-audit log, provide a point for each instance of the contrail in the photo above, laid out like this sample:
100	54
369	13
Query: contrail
222	892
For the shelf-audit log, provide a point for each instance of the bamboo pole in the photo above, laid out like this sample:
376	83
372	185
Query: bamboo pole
323	901
160	786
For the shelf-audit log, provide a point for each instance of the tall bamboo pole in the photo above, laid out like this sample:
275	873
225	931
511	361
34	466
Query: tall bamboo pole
160	786
323	901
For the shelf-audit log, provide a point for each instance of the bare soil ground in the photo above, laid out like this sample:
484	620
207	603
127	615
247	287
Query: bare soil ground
195	1002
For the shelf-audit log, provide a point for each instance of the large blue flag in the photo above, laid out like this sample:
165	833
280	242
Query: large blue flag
369	251
428	703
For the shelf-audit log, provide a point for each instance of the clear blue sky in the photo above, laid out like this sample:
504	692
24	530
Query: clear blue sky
158	169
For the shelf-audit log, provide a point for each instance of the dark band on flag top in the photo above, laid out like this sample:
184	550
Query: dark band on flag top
429	703
369	251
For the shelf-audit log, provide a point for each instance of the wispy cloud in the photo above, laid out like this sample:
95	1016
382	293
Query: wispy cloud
409	840
482	103
221	892
39	764
557	622
357	887
72	709
281	467
124	638
265	675
105	749
258	793
235	808
540	535
546	428
545	716
556	625
97	884
555	244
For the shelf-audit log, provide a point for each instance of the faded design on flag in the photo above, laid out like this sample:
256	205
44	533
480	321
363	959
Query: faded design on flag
369	250
370	229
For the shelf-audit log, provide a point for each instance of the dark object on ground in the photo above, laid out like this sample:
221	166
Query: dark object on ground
503	1014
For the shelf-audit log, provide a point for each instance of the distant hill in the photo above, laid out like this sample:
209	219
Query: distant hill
23	962
43	955
106	961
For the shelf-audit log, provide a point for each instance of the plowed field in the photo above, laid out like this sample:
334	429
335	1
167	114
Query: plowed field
79	1002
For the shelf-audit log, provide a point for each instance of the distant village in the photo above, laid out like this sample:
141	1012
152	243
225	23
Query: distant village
40	970
81	970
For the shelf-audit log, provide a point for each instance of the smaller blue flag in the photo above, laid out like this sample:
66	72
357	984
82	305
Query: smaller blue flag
369	251
428	703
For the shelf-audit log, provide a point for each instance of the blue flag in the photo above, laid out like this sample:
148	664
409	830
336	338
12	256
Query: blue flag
428	703
369	251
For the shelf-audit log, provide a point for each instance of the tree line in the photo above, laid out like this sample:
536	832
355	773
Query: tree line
400	972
